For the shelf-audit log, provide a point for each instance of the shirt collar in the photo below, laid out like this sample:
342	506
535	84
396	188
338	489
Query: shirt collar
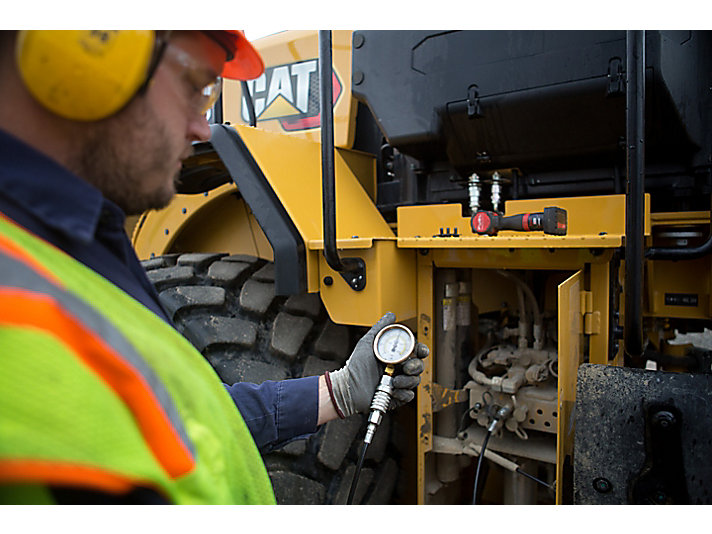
50	192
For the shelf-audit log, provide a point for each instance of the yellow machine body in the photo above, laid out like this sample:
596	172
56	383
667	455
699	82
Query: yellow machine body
403	257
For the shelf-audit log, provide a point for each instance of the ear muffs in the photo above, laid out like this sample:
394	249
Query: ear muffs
85	75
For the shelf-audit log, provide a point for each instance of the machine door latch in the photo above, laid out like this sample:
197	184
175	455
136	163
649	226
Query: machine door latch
474	111
616	78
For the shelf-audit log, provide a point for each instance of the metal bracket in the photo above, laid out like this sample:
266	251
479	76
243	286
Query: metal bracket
354	273
662	479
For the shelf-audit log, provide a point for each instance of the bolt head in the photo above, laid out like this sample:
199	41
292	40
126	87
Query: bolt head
602	485
664	419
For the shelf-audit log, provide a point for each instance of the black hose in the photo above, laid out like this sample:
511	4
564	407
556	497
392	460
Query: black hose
357	473
463	419
479	466
690	253
532	477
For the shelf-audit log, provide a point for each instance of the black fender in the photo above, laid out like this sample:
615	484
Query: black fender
243	170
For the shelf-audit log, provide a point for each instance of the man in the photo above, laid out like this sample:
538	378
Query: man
100	399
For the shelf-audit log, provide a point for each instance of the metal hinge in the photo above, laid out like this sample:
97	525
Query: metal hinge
591	318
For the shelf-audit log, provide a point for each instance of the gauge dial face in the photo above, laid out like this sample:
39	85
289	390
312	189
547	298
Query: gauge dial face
394	344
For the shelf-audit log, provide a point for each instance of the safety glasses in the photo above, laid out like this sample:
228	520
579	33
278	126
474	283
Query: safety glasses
203	88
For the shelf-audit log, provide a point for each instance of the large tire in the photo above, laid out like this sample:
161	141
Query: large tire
226	307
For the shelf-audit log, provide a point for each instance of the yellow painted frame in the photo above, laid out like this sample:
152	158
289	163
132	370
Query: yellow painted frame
593	222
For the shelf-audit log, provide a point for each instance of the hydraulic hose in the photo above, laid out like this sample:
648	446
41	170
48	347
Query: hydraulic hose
682	253
500	416
538	320
523	323
527	290
479	466
379	405
357	473
456	446
532	477
518	470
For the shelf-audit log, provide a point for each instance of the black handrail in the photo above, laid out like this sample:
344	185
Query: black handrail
635	193
352	269
328	174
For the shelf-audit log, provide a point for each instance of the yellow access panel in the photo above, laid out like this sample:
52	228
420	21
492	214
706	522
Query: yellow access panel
570	357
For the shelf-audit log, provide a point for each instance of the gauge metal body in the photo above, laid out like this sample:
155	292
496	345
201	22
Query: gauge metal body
394	344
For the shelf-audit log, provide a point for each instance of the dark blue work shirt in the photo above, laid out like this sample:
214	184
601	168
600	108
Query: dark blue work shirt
68	212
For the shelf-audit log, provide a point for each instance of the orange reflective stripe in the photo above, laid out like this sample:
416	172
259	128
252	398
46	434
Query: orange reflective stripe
27	309
14	251
59	473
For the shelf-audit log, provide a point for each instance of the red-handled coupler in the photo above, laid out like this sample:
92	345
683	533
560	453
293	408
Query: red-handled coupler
550	221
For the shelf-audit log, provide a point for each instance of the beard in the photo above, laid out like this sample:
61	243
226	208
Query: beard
129	158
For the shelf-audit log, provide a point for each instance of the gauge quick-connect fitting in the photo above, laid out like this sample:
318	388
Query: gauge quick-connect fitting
379	406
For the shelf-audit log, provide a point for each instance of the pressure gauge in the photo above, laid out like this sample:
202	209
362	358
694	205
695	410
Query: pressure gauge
394	344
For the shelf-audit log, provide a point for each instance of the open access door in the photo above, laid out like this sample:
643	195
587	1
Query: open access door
570	357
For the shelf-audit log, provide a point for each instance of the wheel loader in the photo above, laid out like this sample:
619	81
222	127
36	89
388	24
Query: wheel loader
533	205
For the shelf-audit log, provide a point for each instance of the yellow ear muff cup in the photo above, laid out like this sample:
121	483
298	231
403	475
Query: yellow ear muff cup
84	75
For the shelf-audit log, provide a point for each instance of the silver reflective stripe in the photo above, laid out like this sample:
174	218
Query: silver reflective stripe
16	274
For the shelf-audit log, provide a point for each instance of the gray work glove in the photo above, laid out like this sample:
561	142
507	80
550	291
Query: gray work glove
353	386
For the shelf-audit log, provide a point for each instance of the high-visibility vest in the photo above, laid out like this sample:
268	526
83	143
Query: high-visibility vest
99	393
